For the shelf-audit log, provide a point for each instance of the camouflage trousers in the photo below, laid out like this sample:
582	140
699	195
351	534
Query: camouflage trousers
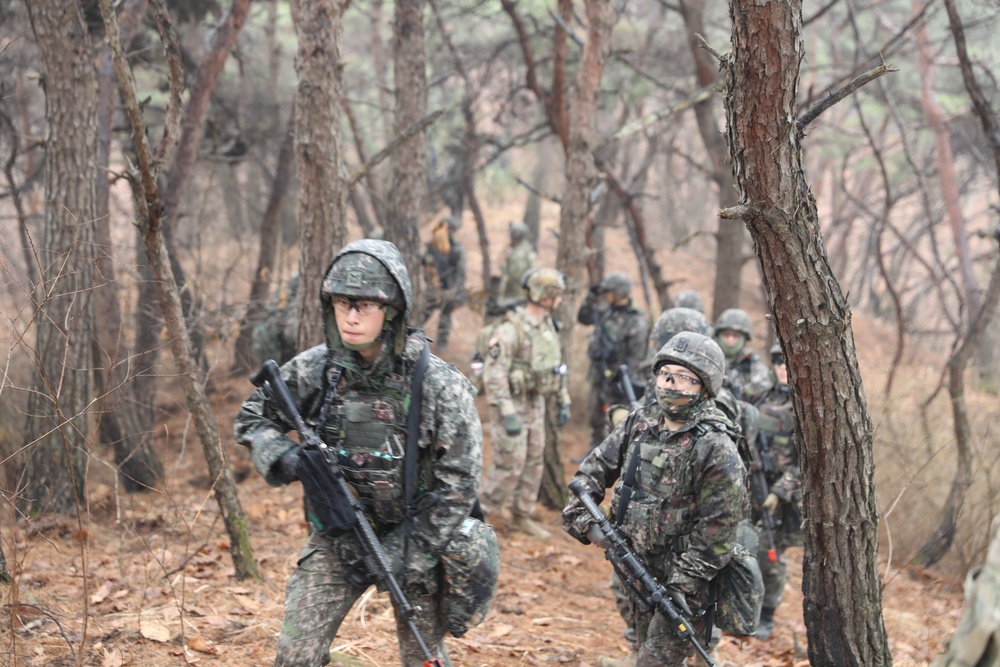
596	400
515	472
443	301
774	573
659	645
318	598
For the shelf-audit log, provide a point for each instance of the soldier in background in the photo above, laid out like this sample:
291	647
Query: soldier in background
746	375
523	366
776	445
520	259
619	337
444	278
276	335
688	298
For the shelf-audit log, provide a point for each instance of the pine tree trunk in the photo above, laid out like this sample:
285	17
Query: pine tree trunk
841	587
60	422
322	193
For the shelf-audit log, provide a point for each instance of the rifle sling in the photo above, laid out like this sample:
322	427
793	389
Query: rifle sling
628	483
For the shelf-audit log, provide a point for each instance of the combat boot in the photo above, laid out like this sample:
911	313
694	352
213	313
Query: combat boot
524	524
624	661
766	625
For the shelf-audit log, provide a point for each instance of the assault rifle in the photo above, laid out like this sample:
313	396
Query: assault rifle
624	382
598	350
760	465
647	590
269	379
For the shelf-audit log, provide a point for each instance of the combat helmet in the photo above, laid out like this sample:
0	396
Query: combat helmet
372	270
471	564
518	230
697	352
735	319
617	283
675	320
688	298
777	354
543	283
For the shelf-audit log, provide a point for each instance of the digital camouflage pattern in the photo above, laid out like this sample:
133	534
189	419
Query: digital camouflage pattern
619	337
444	284
748	377
688	298
777	428
366	428
471	567
523	358
521	258
682	518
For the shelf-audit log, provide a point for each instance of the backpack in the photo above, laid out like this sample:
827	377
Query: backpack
496	314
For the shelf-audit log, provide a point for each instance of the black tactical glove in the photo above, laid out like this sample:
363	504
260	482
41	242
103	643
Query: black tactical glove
595	290
357	574
680	602
286	468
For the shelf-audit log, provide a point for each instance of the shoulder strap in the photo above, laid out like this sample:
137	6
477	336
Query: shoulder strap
628	483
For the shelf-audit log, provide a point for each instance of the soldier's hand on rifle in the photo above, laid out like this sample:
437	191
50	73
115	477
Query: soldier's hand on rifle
597	536
512	424
770	503
287	467
617	414
358	575
563	415
677	597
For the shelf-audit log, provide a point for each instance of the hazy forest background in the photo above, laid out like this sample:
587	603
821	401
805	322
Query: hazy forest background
157	195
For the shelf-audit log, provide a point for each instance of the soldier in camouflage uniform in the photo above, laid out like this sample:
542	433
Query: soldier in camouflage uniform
689	492
520	260
784	479
444	278
523	367
688	298
746	375
670	322
365	298
619	337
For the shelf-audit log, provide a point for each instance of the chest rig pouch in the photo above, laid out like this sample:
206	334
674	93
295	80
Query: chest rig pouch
657	510
538	357
367	431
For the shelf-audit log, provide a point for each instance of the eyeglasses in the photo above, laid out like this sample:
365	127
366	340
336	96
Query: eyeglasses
679	378
344	305
777	361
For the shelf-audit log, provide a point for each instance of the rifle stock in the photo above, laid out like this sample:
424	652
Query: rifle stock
632	572
628	389
760	464
269	380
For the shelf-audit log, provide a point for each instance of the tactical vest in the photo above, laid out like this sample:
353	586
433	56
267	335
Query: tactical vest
366	428
537	358
777	418
659	516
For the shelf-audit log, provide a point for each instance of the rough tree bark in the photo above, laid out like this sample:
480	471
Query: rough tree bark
125	423
150	217
60	420
322	194
841	588
408	191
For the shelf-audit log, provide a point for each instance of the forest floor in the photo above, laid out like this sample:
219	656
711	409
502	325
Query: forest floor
160	588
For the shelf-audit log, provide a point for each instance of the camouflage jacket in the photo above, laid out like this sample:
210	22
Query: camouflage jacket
366	429
446	272
689	496
523	357
749	378
777	428
521	258
619	337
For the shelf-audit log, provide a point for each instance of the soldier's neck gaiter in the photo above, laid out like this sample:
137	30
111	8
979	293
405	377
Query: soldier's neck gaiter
679	405
733	351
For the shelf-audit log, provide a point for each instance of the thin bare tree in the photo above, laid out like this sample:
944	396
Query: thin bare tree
150	219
